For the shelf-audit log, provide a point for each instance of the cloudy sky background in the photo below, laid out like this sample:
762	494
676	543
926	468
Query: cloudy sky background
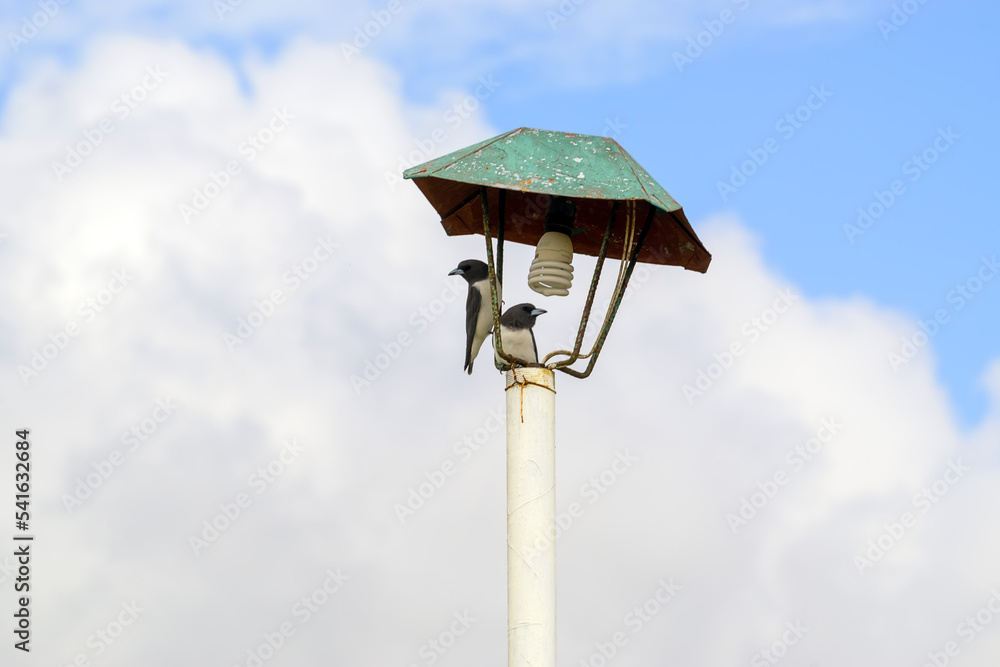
342	126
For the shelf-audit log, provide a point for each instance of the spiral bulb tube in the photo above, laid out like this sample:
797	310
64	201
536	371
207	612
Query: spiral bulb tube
551	273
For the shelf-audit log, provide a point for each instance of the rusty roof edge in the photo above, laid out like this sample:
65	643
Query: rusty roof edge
689	230
681	219
653	200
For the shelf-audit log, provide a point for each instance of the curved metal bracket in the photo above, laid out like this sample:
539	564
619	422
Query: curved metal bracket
494	273
616	301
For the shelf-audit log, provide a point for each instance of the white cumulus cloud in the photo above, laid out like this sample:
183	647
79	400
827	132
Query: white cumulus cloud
184	310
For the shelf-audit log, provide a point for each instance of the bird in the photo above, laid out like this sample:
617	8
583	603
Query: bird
516	335
478	308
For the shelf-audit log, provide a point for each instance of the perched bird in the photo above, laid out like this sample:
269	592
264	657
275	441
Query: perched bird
515	332
478	308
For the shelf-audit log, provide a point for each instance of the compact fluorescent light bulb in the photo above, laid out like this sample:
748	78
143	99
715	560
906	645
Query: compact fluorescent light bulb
551	272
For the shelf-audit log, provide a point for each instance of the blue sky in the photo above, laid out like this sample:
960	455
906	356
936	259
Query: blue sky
890	97
817	109
689	123
892	90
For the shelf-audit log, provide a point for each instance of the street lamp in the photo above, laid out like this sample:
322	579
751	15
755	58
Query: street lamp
564	194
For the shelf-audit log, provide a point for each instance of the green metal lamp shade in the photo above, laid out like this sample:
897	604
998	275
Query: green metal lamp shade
531	165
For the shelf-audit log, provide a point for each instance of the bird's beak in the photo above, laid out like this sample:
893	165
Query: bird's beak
538	311
456	272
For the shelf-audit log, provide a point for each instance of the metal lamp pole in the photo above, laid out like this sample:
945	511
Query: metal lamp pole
531	515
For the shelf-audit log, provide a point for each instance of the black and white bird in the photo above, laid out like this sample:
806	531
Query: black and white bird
478	308
516	334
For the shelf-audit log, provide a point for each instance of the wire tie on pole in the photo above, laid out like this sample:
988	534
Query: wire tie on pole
520	382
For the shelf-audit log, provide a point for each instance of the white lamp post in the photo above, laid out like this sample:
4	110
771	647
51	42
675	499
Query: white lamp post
574	193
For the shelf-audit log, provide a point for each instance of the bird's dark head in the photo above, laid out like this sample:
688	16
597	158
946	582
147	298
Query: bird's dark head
521	316
472	270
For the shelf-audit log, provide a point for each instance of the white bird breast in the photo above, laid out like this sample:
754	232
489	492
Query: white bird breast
518	343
